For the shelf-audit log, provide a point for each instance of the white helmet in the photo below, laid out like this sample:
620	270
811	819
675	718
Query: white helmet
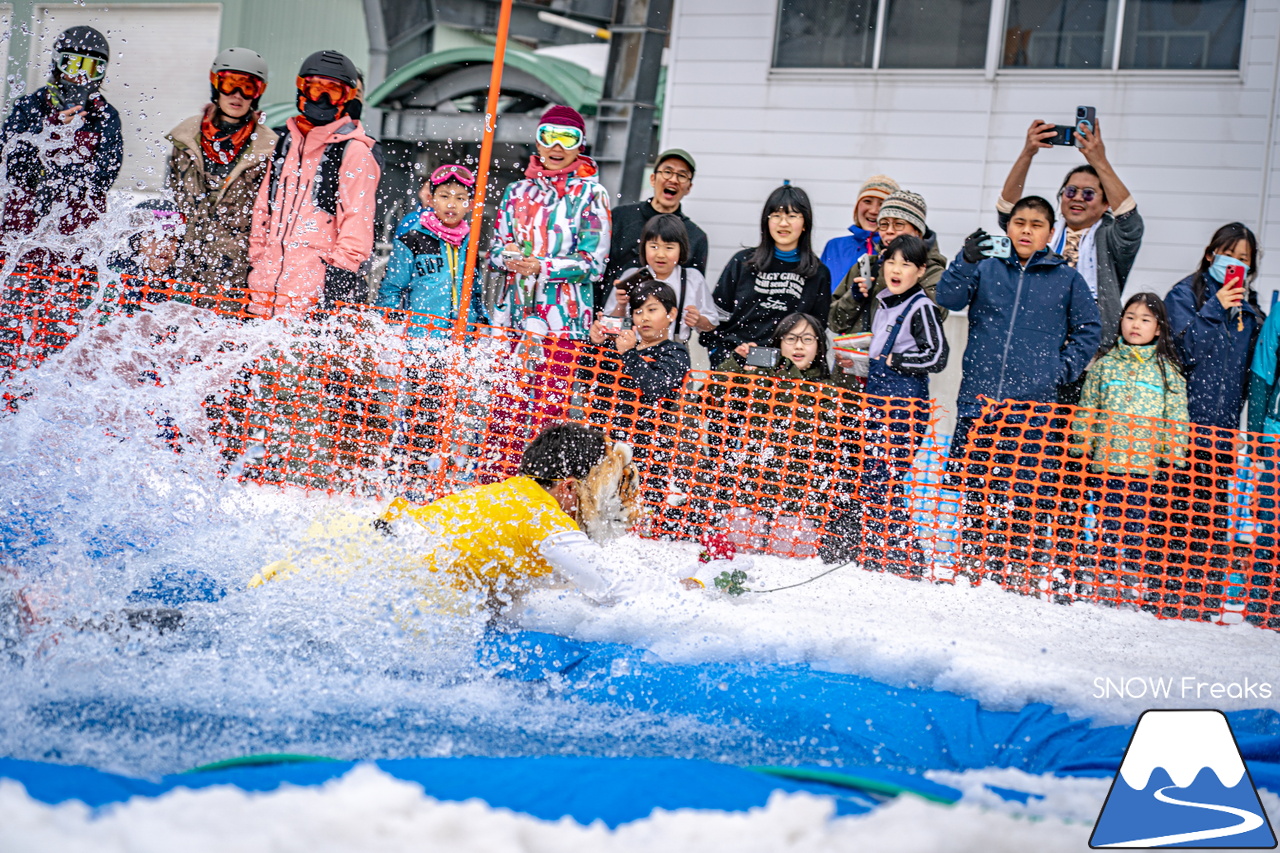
240	59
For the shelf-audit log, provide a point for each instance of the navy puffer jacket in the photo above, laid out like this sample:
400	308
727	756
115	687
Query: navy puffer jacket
1031	328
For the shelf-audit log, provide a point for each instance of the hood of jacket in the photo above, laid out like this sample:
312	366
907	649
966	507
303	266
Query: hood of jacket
187	135
344	129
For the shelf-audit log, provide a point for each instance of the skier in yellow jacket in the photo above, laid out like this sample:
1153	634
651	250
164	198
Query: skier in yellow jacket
574	489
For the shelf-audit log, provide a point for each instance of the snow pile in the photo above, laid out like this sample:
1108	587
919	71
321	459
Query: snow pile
369	811
1003	649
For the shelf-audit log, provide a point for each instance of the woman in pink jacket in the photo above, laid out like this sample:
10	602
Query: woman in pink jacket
314	218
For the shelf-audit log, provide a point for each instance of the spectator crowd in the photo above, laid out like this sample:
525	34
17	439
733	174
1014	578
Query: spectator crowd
282	220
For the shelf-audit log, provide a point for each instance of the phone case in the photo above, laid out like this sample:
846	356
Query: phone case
1234	277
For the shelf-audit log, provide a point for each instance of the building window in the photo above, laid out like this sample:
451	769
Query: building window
1182	34
1059	33
826	34
1074	34
935	34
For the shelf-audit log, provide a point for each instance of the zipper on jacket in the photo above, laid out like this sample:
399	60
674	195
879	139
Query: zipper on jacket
1008	339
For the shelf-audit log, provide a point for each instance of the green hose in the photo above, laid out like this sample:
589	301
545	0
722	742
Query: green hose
264	760
846	780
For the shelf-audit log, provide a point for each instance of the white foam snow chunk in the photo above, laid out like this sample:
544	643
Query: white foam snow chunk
371	812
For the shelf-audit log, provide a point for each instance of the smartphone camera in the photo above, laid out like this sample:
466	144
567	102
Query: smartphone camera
764	357
1001	247
611	325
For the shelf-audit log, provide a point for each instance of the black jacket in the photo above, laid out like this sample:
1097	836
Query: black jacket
657	371
624	246
757	300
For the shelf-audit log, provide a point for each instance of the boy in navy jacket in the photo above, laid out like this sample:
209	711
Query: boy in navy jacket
1033	325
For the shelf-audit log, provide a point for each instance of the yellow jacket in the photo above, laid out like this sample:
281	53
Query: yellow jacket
489	533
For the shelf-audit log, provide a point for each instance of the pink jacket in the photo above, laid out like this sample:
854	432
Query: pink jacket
293	238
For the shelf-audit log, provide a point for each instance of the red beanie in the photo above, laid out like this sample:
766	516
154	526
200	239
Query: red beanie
566	116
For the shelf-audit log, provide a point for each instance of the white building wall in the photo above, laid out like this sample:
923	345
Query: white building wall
1192	147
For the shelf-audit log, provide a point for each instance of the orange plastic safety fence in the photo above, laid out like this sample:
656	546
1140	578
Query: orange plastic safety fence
43	309
1141	513
1057	502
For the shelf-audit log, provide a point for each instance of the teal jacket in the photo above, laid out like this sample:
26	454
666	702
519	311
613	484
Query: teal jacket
1128	387
424	276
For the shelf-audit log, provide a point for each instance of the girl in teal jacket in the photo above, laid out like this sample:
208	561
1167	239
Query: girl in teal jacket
428	256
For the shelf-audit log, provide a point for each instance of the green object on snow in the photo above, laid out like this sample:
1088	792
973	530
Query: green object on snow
732	582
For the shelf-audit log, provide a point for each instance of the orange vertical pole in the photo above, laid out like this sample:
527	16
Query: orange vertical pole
482	173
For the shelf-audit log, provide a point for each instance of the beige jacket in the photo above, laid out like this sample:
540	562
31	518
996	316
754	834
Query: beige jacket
215	249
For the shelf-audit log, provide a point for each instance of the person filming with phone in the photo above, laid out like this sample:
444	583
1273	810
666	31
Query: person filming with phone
1033	324
1100	229
1215	318
74	145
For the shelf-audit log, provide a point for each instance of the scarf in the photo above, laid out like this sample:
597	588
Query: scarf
865	240
559	178
1086	261
223	145
453	235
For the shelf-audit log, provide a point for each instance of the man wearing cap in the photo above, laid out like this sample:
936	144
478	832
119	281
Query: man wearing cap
81	145
841	253
552	234
853	304
671	180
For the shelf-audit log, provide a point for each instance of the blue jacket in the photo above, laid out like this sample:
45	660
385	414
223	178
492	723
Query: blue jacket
424	276
1215	353
1030	329
841	253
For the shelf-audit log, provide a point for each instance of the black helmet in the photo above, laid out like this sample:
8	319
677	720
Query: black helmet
83	40
329	63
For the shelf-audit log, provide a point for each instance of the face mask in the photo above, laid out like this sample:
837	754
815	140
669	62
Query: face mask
319	113
1218	270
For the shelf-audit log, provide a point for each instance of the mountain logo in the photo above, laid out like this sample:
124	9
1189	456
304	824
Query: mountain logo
1183	783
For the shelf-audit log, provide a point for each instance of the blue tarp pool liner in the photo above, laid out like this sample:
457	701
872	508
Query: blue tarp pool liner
880	739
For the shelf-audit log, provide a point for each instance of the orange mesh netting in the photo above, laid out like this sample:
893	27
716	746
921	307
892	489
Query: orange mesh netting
1057	502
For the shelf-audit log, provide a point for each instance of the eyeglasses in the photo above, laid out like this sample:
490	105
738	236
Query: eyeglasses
230	82
806	340
315	88
1087	194
551	135
79	65
673	175
780	216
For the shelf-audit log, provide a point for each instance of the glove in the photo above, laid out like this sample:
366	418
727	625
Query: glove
976	246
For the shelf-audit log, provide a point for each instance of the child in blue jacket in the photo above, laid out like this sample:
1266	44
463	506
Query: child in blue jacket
429	254
1033	325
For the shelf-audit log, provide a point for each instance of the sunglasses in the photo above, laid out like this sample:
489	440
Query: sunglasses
315	88
551	135
230	82
1087	194
79	65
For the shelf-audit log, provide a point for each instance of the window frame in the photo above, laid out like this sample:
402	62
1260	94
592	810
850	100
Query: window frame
995	43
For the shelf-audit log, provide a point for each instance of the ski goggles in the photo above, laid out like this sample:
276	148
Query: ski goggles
551	135
315	88
79	65
169	222
444	174
230	82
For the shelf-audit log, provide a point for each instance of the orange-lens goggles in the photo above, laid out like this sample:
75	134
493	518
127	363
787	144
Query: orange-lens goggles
78	65
314	88
229	82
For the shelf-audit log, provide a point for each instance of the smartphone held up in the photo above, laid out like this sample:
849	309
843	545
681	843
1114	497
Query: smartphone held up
1068	134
